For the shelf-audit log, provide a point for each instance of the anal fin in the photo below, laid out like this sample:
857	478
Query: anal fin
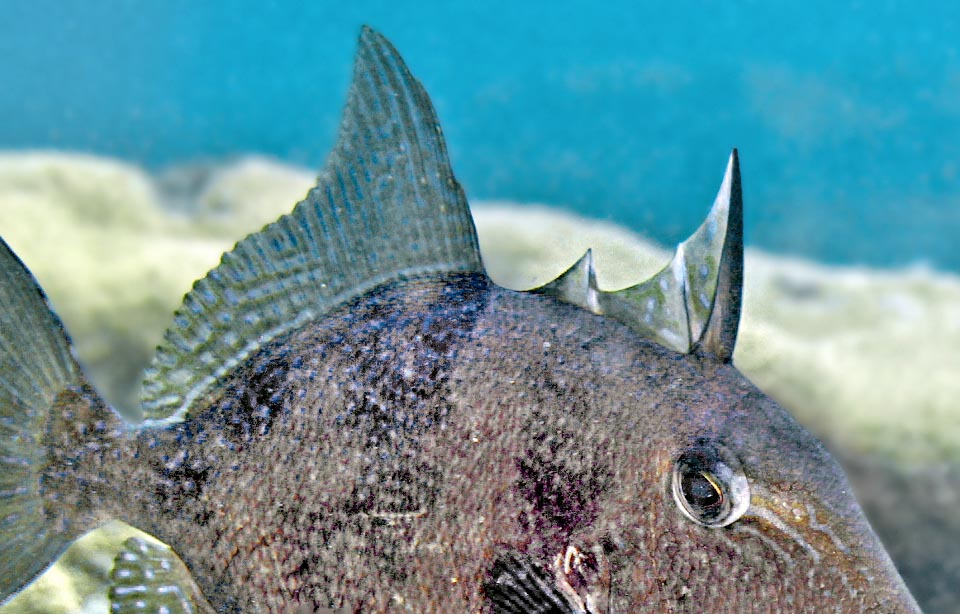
149	577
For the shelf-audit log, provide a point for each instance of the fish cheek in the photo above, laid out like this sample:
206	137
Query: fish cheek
664	574
738	568
659	560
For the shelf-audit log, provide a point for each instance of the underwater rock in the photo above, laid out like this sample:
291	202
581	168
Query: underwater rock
232	199
864	358
116	258
107	251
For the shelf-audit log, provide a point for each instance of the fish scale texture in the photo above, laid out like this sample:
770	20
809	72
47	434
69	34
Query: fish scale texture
393	456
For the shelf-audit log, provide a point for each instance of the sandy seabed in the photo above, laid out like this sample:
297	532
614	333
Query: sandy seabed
867	359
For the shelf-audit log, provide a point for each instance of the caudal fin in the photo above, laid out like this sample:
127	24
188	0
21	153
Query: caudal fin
36	366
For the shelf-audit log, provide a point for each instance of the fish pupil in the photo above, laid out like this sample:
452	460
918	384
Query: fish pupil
700	491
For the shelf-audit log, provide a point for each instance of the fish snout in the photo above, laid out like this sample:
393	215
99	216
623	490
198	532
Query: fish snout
835	547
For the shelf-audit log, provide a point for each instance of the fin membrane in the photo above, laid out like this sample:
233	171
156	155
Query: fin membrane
386	207
36	364
693	304
148	577
520	586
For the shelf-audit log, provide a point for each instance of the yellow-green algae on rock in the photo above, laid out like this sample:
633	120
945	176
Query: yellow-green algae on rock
113	259
867	359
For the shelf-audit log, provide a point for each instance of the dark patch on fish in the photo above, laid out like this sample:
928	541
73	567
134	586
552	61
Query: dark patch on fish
561	482
251	408
395	387
375	359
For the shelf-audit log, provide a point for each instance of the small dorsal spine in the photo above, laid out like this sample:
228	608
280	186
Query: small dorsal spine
577	285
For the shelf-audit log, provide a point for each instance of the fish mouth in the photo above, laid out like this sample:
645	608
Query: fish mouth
806	535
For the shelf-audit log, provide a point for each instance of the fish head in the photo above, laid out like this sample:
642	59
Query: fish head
687	489
752	510
721	497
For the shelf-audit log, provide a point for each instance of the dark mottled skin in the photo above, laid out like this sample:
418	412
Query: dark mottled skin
387	457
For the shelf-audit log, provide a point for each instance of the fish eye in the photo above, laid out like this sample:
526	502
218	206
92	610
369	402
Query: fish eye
708	485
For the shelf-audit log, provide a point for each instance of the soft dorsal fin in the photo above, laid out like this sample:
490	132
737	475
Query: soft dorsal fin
693	304
386	207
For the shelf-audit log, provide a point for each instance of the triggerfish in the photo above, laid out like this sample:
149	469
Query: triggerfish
348	415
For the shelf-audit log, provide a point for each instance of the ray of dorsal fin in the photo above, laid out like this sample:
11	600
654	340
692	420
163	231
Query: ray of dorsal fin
386	207
693	304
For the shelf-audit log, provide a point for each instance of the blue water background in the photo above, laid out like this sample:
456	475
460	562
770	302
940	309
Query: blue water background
847	116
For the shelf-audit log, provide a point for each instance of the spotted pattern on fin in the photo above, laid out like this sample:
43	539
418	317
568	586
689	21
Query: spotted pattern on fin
149	578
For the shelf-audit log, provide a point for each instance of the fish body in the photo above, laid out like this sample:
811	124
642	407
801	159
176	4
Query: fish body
348	415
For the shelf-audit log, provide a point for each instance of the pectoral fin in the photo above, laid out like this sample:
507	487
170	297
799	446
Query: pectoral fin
149	577
521	586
